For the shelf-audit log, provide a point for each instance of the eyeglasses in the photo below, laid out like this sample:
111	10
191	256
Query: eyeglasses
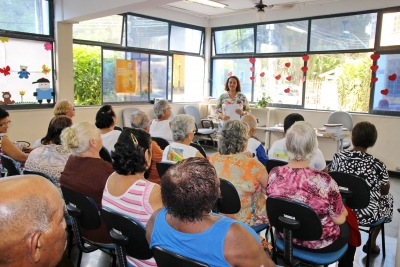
6	123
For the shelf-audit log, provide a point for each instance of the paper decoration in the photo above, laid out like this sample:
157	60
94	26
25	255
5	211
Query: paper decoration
287	65
252	78
230	74
5	70
43	92
304	69
7	99
48	46
374	79
287	90
289	78
385	92
262	74
303	79
4	39
252	69
45	69
22	93
305	57
375	56
392	77
252	60
278	77
23	73
374	68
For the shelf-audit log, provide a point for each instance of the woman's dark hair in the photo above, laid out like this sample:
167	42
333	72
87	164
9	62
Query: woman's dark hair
238	88
104	117
364	134
56	125
290	120
3	113
129	151
189	188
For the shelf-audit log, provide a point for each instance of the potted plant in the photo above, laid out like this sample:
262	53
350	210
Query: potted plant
264	101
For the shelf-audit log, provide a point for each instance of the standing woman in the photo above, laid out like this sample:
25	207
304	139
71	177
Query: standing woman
106	120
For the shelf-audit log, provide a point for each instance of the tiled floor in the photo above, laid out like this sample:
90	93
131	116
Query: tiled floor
99	259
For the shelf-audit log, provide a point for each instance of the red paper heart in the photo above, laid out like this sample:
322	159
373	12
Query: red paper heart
262	74
287	65
278	77
375	56
385	92
392	77
374	80
287	90
252	78
230	74
374	68
304	69
305	57
252	69
252	60
304	79
288	78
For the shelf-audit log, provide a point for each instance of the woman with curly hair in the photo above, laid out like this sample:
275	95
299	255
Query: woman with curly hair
127	191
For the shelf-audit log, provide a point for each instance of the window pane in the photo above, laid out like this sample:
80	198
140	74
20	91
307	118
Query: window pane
158	79
25	16
188	75
339	82
282	79
387	90
390	34
343	33
185	40
147	33
169	78
282	37
87	75
106	29
17	80
234	41
224	68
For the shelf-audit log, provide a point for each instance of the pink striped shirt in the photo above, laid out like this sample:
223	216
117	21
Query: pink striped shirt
135	203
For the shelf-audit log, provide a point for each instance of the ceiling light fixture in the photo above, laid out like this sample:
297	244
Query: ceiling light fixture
208	3
260	11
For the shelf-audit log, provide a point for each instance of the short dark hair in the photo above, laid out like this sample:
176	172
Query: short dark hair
290	120
56	126
104	117
129	157
3	113
189	188
364	134
238	88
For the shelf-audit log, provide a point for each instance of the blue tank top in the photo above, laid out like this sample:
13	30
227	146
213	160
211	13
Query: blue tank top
207	246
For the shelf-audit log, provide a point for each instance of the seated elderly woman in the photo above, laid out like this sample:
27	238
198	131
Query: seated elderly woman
254	146
247	174
64	107
278	149
127	191
106	120
161	126
183	129
358	162
317	189
51	156
186	225
85	172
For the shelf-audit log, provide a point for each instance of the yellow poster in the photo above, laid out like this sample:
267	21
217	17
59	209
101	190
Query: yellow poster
125	76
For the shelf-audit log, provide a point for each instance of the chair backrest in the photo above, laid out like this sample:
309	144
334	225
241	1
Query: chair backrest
127	232
342	117
193	111
105	154
10	165
82	208
166	258
229	201
126	115
272	163
281	210
163	166
161	142
199	148
45	175
355	190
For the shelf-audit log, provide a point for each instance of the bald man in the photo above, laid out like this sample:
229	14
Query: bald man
254	146
32	225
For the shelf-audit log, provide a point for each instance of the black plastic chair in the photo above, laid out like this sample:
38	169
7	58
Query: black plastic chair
229	201
45	175
199	148
10	165
272	163
166	258
161	142
84	213
297	220
128	235
163	166
105	154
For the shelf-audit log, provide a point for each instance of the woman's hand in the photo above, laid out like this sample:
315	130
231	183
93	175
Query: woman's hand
224	117
239	111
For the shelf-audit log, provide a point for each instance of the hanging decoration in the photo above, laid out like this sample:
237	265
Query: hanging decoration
23	73
288	78
385	92
375	56
48	46
287	65
287	90
252	78
374	68
45	69
252	60
392	77
252	69
304	69
278	77
374	79
5	70
305	57
4	39
230	74
262	74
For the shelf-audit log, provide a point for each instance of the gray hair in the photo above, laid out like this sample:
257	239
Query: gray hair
76	138
139	119
181	126
301	141
159	108
234	137
250	120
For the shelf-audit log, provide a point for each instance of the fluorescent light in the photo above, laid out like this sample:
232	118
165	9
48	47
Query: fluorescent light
296	29
208	3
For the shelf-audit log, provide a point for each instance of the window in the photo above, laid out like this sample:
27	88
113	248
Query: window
158	76
390	29
106	29
234	41
185	39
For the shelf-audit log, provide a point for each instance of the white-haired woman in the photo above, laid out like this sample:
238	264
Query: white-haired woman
161	126
85	172
183	129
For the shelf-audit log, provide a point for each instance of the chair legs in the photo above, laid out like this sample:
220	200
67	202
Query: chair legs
369	231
